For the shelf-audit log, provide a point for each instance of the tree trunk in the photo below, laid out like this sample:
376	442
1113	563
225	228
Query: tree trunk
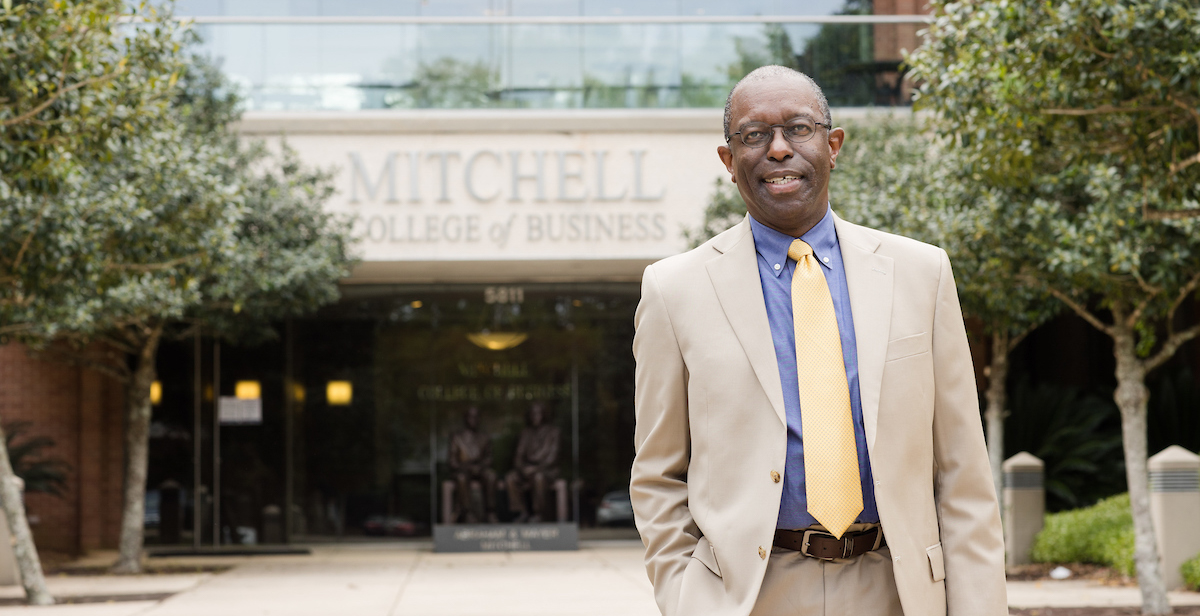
137	449
1131	397
997	399
28	564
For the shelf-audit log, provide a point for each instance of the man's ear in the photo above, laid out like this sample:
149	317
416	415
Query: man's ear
727	158
837	137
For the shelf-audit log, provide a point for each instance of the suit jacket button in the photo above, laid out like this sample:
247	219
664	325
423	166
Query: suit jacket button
762	553
775	476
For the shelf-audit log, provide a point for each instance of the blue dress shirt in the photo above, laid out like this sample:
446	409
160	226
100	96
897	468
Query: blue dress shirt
775	271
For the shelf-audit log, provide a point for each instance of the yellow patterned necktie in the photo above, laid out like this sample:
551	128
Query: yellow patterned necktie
833	487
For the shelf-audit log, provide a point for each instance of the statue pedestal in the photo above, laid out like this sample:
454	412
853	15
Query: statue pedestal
505	537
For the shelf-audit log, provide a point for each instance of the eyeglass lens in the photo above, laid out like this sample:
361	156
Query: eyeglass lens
757	134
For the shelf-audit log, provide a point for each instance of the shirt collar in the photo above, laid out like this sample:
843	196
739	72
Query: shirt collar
773	245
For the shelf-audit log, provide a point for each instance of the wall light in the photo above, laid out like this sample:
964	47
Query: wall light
247	390
298	392
497	341
339	393
156	393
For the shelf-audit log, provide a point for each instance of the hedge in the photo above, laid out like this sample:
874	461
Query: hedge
1101	534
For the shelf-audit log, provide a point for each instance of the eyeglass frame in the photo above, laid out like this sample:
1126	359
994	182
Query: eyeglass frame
772	128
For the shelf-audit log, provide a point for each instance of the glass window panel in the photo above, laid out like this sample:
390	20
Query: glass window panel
543	68
458	67
357	66
631	65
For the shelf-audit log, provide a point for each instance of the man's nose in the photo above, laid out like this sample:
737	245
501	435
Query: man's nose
779	148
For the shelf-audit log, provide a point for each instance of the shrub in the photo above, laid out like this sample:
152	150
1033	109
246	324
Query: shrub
1101	534
1191	573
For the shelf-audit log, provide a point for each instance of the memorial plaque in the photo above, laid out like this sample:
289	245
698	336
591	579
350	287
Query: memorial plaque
505	537
235	411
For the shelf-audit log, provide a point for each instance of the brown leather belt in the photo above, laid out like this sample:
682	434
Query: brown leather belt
822	545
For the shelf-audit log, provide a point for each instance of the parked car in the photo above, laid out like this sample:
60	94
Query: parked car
391	526
615	508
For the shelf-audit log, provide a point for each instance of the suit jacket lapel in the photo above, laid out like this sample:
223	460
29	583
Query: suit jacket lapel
734	275
869	277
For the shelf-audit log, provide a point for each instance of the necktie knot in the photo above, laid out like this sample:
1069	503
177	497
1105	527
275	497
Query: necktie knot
799	249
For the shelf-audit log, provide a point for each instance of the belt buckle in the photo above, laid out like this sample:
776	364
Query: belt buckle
847	544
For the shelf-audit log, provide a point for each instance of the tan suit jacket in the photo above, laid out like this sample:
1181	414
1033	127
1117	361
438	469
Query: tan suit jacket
711	429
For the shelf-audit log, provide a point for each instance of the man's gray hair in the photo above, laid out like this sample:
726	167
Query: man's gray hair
771	71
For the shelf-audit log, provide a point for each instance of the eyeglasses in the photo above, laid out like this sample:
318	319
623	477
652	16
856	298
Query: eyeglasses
757	134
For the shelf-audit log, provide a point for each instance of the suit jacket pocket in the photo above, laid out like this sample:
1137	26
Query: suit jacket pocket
936	566
907	346
707	555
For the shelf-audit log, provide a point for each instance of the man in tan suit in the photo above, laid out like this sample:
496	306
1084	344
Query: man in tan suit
719	479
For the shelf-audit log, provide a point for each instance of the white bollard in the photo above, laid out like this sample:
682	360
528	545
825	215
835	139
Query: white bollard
1024	505
1175	508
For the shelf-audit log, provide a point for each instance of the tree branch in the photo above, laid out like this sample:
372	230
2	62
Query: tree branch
1185	163
1183	293
81	359
150	267
1102	109
1170	346
1080	310
54	97
1015	340
16	263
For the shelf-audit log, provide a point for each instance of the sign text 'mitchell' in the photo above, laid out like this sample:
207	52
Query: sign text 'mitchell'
486	176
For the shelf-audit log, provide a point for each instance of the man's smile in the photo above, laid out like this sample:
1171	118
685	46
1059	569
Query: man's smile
781	184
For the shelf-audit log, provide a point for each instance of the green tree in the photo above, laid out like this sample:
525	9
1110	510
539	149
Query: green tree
73	83
895	176
223	235
1087	110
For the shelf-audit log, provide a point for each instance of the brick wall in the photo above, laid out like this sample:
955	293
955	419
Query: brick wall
81	410
891	40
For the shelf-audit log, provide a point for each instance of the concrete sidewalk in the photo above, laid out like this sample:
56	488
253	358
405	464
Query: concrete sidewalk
602	578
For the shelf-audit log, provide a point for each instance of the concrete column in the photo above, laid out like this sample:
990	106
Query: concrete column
1024	505
1175	508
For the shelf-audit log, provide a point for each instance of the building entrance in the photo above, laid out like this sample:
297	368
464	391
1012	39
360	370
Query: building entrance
402	407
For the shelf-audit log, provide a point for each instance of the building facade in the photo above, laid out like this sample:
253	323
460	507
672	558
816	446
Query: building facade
511	167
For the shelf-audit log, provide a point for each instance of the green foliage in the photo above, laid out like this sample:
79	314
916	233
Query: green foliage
725	209
1031	87
1101	534
42	473
895	176
1077	435
74	87
1191	573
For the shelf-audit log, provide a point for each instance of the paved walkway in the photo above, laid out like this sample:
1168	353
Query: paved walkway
602	578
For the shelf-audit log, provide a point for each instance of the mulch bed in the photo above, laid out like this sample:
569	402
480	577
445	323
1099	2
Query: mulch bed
158	596
1079	571
67	570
